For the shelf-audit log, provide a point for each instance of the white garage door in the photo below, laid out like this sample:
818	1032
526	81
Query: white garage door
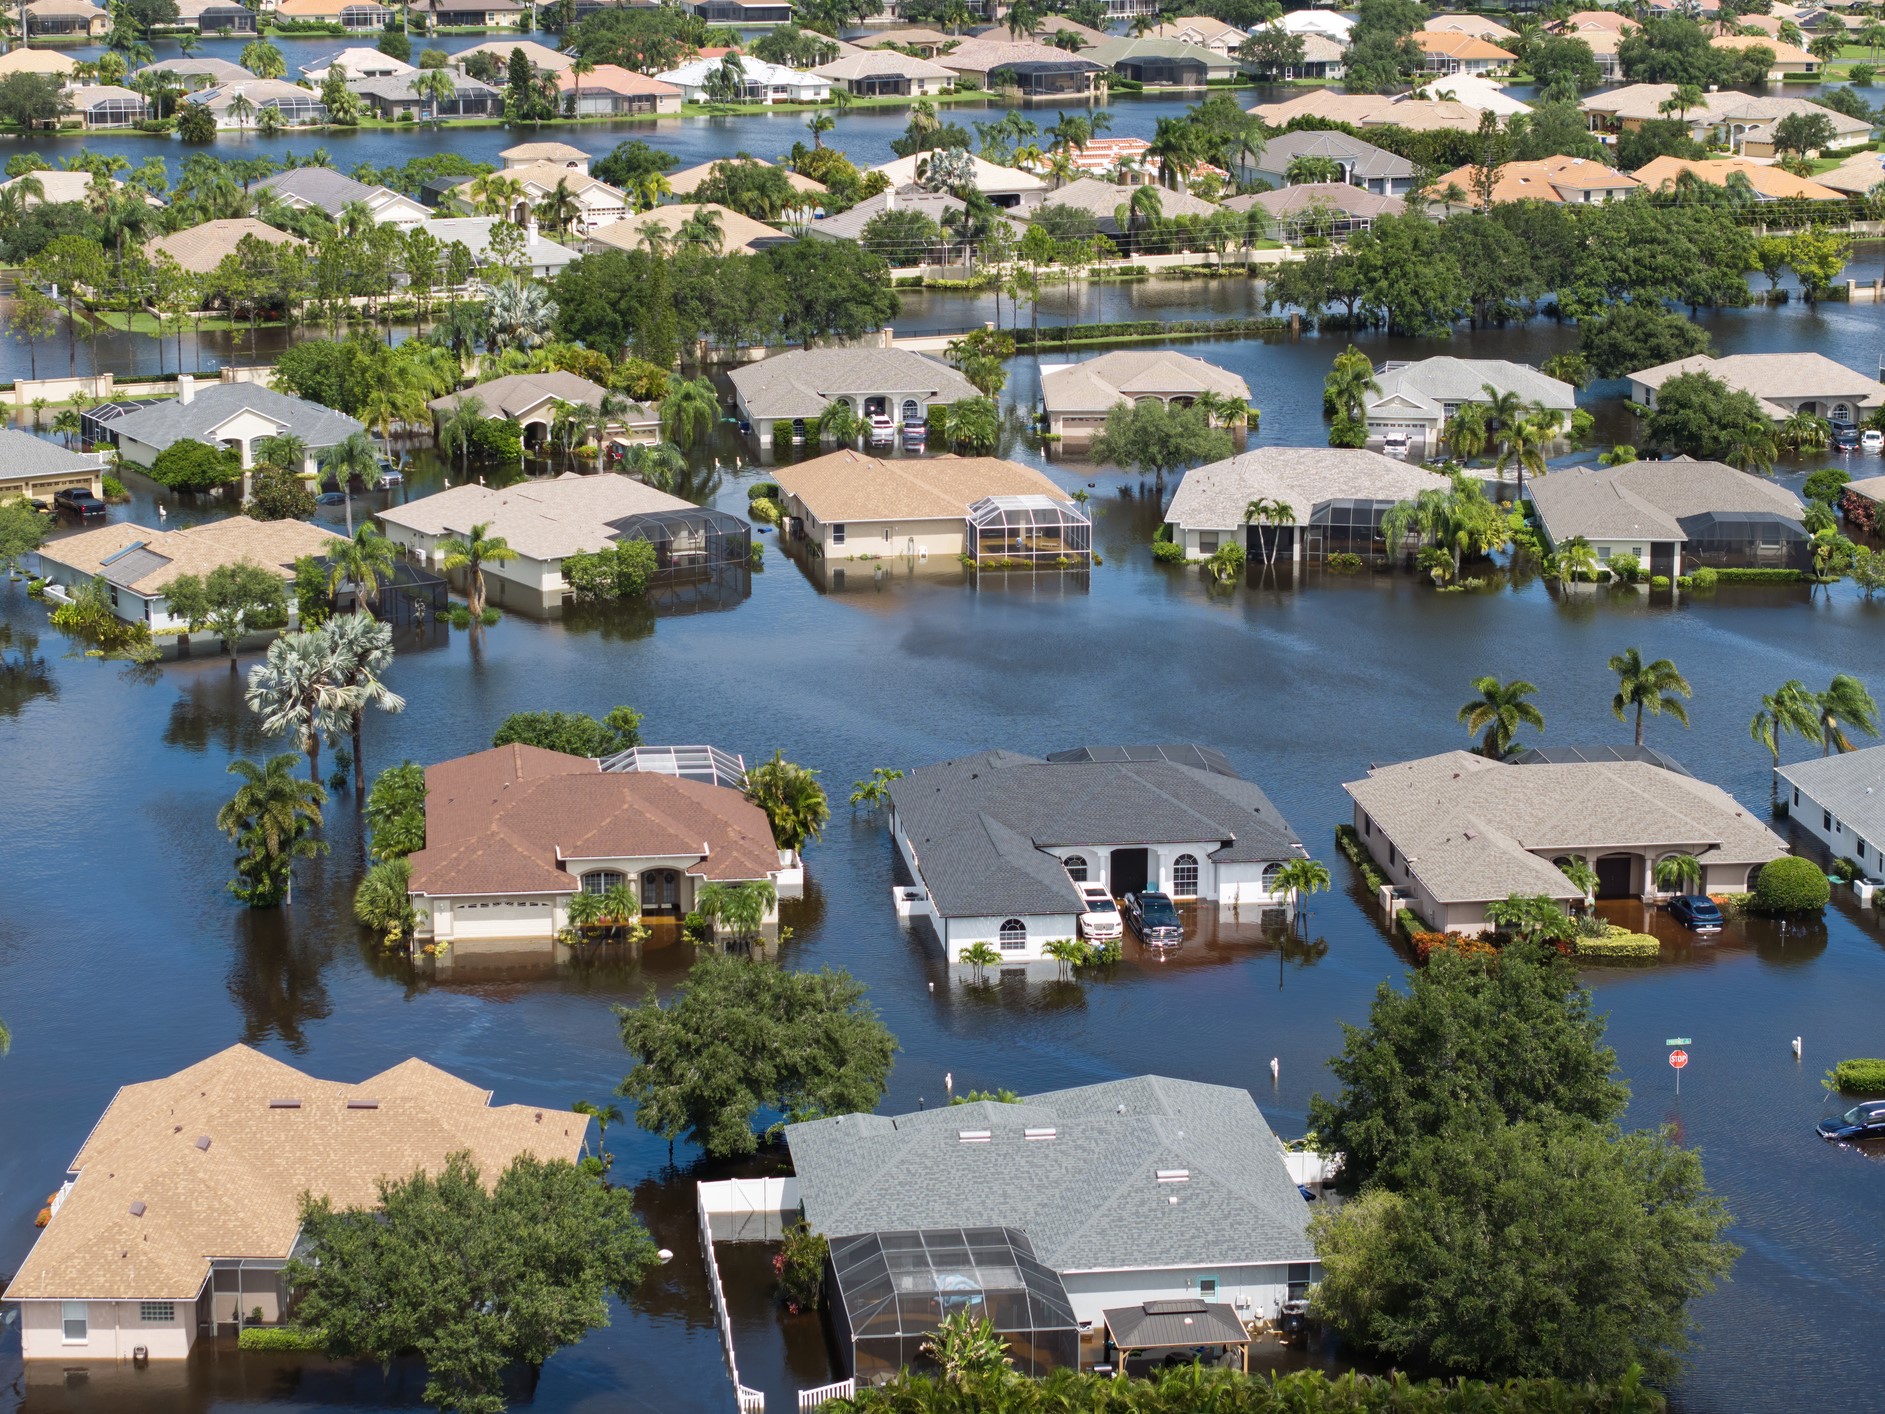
502	918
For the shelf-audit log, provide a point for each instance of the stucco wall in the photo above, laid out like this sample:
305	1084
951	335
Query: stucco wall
114	1331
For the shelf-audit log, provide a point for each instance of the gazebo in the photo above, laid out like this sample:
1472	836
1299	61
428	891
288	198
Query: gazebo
1184	1326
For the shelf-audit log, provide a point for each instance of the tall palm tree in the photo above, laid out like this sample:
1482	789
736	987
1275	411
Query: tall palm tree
1845	704
365	562
1654	687
353	456
1801	432
839	424
294	691
1577	556
471	553
1790	709
1349	382
659	464
274	817
700	231
609	411
1299	877
1467	431
286	451
819	124
458	430
362	651
1750	447
1500	710
560	207
690	411
604	1114
1524	444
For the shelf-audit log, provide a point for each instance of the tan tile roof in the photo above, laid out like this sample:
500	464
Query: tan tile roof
1585	21
544	176
1786	56
543	152
684	182
200	249
275	544
540	56
916	35
499	821
850	486
878	63
1544	180
1772	376
1771	182
737	232
544	520
36	61
1363	110
1095	384
615	79
240	1195
1858	175
1458	46
1474	25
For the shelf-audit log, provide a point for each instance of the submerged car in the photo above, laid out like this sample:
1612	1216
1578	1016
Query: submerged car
1865	1121
1872	440
1845	436
78	501
1154	918
1696	912
1099	915
882	430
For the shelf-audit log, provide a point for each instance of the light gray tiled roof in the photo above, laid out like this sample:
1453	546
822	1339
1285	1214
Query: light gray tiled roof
163	423
1433	381
1334	196
1851	785
318	186
850	224
1651	499
23	455
1120	50
1474	830
1102	199
1089	1199
1095	384
1366	159
801	382
981	825
403	86
1776	375
1214	497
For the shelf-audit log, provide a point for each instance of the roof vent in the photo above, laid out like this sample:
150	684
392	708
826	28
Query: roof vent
974	1136
202	1142
1174	1175
284	1104
363	1104
137	1209
1038	1133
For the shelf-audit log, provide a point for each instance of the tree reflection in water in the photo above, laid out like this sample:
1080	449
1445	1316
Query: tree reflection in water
209	712
25	675
275	974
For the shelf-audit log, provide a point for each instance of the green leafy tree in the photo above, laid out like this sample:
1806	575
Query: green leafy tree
276	494
791	797
966	1349
189	465
742	1037
1698	415
832	289
1630	337
737	908
274	818
1654	687
1151	437
383	901
395	812
230	601
1499	711
22	531
472	1279
573	733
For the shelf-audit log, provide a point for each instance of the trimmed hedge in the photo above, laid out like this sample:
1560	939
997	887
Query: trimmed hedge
1348	840
1147	328
1168	553
279	1338
1756	576
1620	945
1857	1077
1791	885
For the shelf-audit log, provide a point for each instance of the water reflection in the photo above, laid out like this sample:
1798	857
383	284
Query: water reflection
209	711
275	977
25	675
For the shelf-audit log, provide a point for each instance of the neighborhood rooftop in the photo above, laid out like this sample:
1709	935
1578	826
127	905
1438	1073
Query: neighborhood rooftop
1849	785
544	519
1651	499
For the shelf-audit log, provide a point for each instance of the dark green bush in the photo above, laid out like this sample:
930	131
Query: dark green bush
1750	576
1857	1077
1167	553
189	465
278	1338
1792	885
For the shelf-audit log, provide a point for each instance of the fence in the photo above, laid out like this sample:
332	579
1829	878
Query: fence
824	1394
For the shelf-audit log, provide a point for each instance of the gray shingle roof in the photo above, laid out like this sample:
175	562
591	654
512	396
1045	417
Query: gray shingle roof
802	382
23	455
1089	1198
318	186
1851	785
981	825
1214	497
1651	499
850	224
163	423
1157	1325
1366	159
1433	381
1102	200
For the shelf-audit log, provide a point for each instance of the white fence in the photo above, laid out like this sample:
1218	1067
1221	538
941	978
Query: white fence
824	1394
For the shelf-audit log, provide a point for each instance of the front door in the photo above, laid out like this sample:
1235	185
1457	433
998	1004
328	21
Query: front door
661	891
1613	875
1127	871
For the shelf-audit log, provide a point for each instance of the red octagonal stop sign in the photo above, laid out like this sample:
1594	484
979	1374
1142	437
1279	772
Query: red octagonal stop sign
1678	1059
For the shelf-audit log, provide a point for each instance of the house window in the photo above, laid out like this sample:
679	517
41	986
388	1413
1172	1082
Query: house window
600	881
1300	1275
157	1311
1392	859
1185	876
911	412
1271	873
1207	1288
1207	542
1826	819
72	1317
1075	865
1603	552
1367	825
888	530
1013	935
837	535
1796	795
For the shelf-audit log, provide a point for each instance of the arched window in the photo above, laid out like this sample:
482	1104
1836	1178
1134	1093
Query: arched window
1076	867
912	414
1185	876
1753	874
600	881
1271	873
1013	935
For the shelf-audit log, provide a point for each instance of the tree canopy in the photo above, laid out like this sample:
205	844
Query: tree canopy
1151	437
573	733
1698	415
189	465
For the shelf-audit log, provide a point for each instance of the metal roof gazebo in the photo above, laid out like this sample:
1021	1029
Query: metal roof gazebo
1181	1325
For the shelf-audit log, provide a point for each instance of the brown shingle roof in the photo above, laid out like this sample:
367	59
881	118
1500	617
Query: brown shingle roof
240	1195
850	486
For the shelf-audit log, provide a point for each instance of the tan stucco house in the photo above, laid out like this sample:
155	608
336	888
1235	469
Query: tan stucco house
1077	396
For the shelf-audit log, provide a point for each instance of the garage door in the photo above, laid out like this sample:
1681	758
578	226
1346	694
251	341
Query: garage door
502	918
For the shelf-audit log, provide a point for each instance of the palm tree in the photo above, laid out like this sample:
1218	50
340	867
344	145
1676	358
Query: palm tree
471	553
1685	97
604	1114
1648	687
1500	709
365	562
659	464
1349	382
1577	556
1467	431
1583	878
1845	704
1801	432
518	315
66	423
819	124
1523	444
700	231
458	431
584	912
794	802
1750	447
1299	877
274	817
362	651
285	451
1069	953
1790	709
295	692
1273	515
690	411
241	108
353	456
981	957
839	423
1678	874
620	907
560	207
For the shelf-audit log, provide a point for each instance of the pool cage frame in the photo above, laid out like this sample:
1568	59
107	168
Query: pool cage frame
1034	531
1744	540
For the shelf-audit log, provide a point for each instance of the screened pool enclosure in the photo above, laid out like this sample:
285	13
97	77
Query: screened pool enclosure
893	1289
1745	539
1033	529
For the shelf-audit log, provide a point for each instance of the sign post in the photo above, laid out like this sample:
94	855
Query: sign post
1678	1058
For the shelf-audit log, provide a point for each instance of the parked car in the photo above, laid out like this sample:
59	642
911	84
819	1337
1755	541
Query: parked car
1697	912
390	478
79	501
1099	915
1872	440
1154	919
882	430
1845	436
1394	445
1865	1121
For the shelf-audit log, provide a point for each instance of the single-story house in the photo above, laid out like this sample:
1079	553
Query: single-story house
1417	399
849	224
542	257
1570	181
469	14
598	203
192	73
529	400
512	834
357	16
847	504
926	42
1037	70
33	467
1365	110
995	842
541	57
1335	498
1769	183
741	14
609	89
138	564
1004	186
1449	52
791	390
296	105
1319	209
1788	58
875	73
1125	161
65	19
683	184
1102	199
1188	1222
1478	26
1455	832
399	96
1859	175
555	154
760	82
1077	396
1603	31
201	1175
1782	383
108	105
1840	801
738	232
1164	63
21	59
232	415
358	62
1675	515
1215	35
58	185
546	520
324	189
215	17
1726	116
1361	164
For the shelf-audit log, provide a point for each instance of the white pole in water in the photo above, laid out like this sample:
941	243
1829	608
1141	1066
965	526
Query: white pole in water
1796	1048
1276	1069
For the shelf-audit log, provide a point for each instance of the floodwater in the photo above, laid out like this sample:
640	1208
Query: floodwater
122	956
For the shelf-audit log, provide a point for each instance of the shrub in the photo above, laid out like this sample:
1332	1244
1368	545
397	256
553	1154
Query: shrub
1750	576
1167	552
279	1338
114	491
280	495
1704	578
1349	842
1685	582
764	491
1427	944
800	1267
1792	885
189	465
763	508
1660	581
1345	561
1619	945
1626	567
498	439
1857	1077
622	571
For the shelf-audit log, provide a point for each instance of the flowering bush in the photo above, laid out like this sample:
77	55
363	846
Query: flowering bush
1426	944
800	1267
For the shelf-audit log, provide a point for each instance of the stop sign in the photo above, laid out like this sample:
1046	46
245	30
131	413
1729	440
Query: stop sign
1678	1059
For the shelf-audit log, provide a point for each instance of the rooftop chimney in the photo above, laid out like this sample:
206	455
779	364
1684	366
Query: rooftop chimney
186	389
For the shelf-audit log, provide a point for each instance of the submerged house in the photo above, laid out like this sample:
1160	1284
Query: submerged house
995	842
1141	1215
1783	383
1456	831
1417	399
237	416
1077	396
785	394
183	1204
1840	801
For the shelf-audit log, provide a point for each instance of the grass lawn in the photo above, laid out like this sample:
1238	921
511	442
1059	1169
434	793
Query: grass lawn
144	322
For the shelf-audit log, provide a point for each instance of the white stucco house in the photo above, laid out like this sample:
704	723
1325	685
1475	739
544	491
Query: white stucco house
1840	801
238	416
